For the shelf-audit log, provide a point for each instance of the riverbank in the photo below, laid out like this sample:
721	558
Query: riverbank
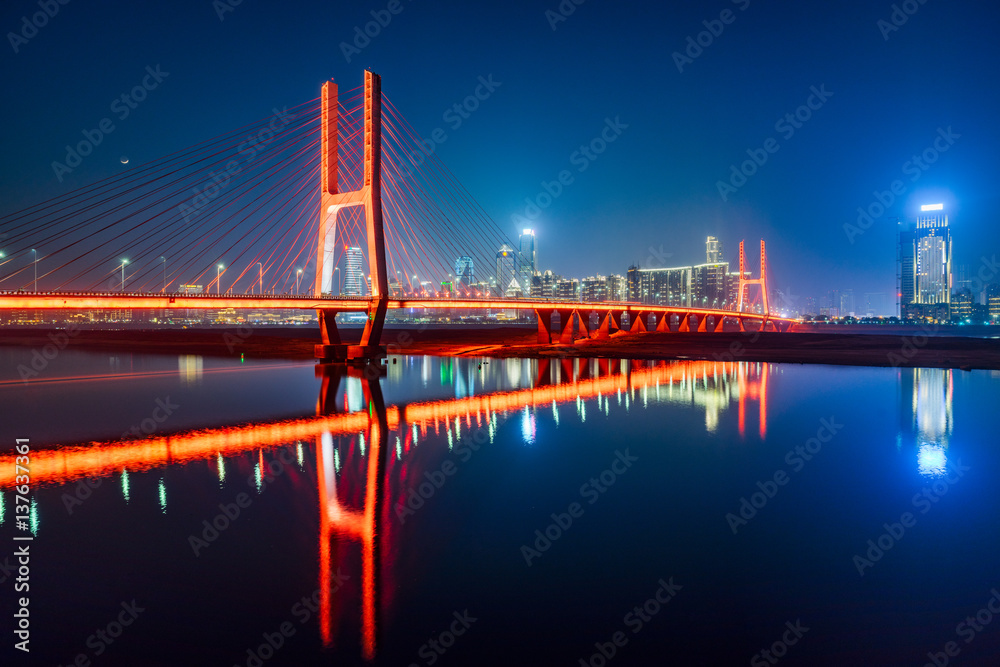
520	341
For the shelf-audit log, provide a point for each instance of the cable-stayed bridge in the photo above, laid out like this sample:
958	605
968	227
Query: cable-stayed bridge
234	218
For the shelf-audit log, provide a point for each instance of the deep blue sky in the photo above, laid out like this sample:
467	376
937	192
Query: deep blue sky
654	187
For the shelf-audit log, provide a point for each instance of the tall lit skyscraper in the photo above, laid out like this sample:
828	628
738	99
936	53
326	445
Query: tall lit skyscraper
527	258
353	275
925	264
713	250
465	273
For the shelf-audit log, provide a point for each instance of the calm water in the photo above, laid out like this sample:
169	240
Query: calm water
496	512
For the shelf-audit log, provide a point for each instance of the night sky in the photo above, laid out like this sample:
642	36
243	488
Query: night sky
652	196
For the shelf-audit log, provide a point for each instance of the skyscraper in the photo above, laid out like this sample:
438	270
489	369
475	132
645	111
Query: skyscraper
465	274
353	275
993	302
526	258
506	270
925	265
713	250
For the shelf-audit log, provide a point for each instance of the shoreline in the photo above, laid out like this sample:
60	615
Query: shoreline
853	349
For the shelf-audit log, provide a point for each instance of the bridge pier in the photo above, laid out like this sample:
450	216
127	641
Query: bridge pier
333	350
544	316
639	321
566	326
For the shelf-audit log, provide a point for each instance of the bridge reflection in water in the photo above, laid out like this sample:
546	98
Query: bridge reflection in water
367	440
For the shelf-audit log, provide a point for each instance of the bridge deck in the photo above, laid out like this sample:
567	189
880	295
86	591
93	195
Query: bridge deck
113	301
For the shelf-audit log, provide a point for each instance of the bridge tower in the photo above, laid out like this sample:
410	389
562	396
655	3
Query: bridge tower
331	201
760	281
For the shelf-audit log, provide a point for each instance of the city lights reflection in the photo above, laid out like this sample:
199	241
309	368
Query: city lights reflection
931	418
932	460
358	471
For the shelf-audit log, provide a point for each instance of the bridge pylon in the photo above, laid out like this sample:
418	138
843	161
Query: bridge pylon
760	281
331	201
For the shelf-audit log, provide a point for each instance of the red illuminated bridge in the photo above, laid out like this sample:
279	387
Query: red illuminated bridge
249	199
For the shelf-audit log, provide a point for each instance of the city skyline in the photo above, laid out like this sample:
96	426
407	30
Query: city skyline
666	167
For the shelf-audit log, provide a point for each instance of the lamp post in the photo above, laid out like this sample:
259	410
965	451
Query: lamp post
260	278
35	262
164	274
218	278
124	262
298	278
340	279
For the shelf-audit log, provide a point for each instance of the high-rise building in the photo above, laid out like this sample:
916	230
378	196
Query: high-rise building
993	302
713	250
465	274
925	265
847	306
708	284
666	287
594	289
506	272
617	288
567	290
527	258
634	281
961	304
354	279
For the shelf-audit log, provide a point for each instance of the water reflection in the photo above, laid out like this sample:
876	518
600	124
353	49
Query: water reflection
930	416
362	480
191	368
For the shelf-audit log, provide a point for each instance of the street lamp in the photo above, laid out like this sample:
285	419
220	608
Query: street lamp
298	277
340	281
260	279
218	277
164	274
35	262
124	262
